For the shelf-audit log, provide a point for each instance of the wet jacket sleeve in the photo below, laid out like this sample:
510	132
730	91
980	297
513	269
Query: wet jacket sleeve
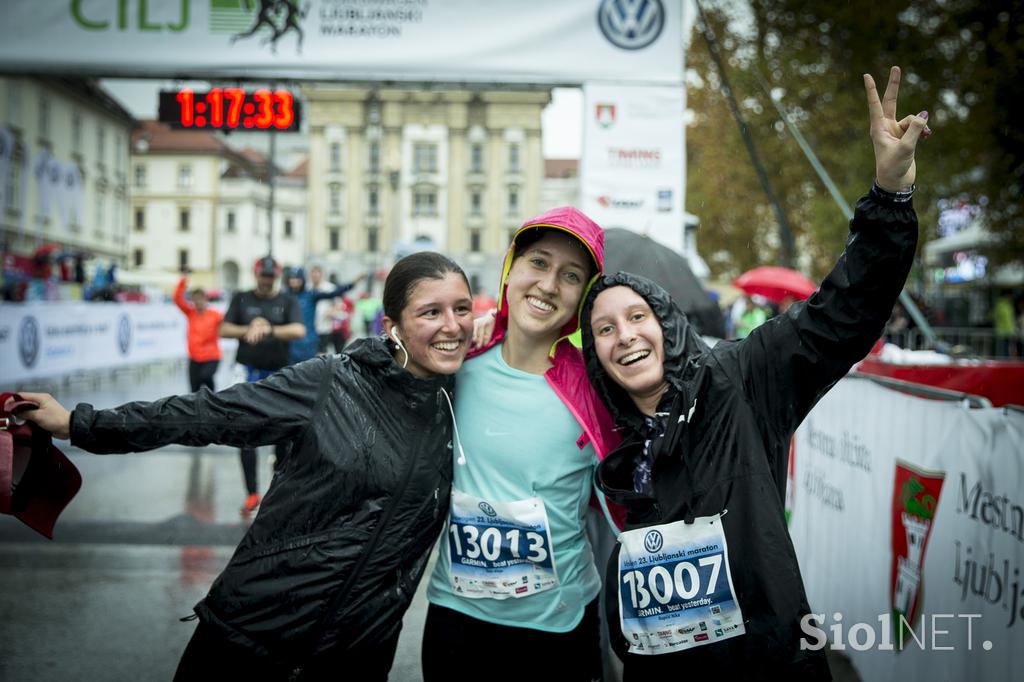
278	408
788	363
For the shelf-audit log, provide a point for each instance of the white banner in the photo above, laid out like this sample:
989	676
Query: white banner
906	509
53	339
631	172
528	41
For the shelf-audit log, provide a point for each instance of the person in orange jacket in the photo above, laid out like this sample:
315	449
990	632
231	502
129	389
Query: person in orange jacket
203	335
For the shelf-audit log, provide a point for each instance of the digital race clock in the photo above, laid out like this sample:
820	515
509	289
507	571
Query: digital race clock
229	109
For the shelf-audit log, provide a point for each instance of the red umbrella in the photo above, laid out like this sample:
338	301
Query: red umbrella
775	283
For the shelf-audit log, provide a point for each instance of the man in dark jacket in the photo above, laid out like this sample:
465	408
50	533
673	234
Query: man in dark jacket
705	579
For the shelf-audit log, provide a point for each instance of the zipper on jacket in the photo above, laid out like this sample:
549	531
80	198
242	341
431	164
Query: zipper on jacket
363	558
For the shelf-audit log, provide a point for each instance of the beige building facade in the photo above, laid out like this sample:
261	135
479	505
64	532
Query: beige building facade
393	170
198	203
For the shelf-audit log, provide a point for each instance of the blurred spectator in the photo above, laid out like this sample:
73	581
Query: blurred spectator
753	316
483	303
1005	324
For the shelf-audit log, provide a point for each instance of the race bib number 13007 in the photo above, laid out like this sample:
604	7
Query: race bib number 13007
675	588
499	550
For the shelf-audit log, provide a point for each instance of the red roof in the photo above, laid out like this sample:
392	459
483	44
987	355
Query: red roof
300	171
160	137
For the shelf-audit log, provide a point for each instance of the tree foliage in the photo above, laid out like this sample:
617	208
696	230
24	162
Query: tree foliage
961	62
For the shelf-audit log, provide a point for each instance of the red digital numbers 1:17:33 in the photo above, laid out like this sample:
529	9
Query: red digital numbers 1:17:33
231	108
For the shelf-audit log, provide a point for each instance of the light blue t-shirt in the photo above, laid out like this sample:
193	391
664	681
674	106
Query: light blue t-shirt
519	441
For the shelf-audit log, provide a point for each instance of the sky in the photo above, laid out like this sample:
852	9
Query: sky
561	122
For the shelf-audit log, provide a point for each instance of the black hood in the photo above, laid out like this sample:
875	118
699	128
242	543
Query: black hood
683	345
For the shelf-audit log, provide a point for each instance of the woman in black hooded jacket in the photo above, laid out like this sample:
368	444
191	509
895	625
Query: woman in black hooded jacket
318	586
705	579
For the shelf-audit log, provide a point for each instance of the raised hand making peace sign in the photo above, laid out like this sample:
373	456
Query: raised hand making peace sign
894	141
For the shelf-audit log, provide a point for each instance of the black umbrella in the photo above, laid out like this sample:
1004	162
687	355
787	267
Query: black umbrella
641	255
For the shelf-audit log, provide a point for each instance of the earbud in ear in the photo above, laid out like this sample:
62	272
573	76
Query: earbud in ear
394	335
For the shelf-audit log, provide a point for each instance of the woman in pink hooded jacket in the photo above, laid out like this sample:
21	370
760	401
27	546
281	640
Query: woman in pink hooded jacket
515	567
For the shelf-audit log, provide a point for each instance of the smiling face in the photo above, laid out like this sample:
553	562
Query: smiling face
436	325
630	345
545	284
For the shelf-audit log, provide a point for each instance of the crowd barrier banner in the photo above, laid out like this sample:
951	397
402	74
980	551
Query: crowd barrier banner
53	339
907	515
454	41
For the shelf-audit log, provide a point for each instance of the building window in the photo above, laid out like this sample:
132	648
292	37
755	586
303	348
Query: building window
424	159
334	236
476	203
513	158
334	201
138	257
76	133
372	239
44	117
184	176
424	202
474	241
373	201
476	158
288	228
513	201
231	227
336	156
140	175
182	259
184	217
140	220
374	156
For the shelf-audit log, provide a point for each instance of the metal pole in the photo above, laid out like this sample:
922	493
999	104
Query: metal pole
270	182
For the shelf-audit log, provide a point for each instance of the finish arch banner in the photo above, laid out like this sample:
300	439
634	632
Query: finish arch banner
504	41
907	516
53	339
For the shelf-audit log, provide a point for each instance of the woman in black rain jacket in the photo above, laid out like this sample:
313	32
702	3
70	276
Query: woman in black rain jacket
708	580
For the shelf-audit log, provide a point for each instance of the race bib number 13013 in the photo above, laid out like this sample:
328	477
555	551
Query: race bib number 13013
499	550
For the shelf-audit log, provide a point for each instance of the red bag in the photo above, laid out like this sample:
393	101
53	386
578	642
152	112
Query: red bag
37	481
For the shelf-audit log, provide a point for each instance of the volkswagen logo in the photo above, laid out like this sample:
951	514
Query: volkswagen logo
653	541
124	334
28	341
487	509
631	24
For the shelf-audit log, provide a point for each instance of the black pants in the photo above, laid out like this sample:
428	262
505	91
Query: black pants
249	468
201	374
458	647
209	656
